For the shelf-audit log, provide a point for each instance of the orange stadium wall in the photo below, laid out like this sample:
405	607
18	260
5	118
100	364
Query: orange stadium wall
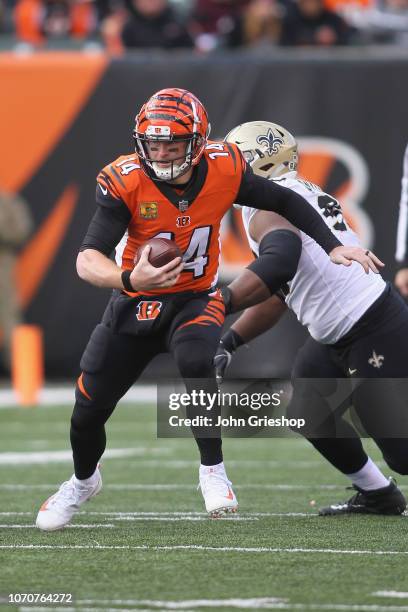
64	116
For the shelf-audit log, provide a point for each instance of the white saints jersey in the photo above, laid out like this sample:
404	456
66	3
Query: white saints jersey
327	298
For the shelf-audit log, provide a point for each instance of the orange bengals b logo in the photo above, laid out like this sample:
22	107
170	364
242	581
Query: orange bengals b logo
147	311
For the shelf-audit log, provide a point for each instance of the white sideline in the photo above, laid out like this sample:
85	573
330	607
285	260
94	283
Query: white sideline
65	395
199	548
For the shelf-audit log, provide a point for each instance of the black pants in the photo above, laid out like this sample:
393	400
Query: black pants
132	332
367	369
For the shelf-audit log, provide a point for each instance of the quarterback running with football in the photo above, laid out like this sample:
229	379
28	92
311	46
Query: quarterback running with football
358	326
176	185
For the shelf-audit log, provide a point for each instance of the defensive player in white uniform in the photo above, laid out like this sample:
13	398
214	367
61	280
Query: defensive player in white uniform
357	323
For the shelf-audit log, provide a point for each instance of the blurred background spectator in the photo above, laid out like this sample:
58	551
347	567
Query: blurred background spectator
38	20
6	16
203	25
145	24
217	23
261	23
380	22
310	23
153	23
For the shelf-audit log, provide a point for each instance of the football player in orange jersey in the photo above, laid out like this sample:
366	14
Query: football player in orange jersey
177	185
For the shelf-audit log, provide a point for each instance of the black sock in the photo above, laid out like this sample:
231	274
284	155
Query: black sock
210	450
88	447
346	454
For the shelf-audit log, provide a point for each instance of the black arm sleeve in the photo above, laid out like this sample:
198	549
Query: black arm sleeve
259	192
107	227
279	254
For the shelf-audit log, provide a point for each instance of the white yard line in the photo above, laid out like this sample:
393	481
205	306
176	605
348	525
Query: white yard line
62	456
65	395
77	526
394	594
161	513
188	513
251	603
173	516
179	487
183	518
232	463
265	603
84	609
198	548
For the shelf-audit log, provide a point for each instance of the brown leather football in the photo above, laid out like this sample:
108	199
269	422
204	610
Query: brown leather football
163	250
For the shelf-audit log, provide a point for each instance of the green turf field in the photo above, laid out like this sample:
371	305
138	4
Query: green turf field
145	543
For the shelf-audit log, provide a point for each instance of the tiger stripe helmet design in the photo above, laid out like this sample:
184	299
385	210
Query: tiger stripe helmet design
171	115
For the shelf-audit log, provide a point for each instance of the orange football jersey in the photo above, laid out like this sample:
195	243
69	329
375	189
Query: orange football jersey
191	217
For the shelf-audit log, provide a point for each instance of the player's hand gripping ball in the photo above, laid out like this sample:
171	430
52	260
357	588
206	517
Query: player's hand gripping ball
162	251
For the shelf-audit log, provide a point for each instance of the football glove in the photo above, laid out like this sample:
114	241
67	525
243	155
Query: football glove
227	346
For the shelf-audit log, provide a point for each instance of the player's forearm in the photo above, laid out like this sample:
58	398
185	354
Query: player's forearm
99	270
245	291
258	319
279	254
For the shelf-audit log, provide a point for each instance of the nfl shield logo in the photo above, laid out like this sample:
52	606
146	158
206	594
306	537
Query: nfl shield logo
183	205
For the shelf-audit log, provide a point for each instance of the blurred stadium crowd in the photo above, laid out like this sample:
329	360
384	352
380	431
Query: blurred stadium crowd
204	26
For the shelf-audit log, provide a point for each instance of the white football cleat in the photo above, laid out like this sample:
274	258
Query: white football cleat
218	495
58	510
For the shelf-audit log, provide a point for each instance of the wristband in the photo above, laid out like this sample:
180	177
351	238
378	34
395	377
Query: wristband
125	276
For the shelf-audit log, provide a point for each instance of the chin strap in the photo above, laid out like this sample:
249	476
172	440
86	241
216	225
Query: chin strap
168	174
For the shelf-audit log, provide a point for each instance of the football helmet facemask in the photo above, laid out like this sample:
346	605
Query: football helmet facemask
267	147
171	115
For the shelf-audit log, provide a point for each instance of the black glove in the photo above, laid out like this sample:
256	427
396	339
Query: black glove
228	344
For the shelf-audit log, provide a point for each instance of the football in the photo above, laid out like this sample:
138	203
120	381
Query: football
162	251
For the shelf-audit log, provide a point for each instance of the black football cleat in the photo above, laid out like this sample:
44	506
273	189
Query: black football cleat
387	500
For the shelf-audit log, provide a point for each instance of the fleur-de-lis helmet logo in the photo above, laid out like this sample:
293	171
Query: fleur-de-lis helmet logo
271	141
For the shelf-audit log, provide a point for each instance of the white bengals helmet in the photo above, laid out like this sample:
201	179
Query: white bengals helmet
268	148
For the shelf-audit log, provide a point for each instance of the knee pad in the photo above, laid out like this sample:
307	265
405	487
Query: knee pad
96	350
